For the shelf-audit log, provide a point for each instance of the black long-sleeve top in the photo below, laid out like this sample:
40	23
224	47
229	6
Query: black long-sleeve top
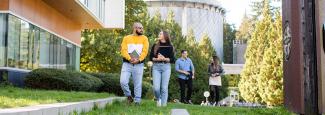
165	49
218	69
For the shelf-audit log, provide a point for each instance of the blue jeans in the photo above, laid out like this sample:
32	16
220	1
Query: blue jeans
161	74
136	71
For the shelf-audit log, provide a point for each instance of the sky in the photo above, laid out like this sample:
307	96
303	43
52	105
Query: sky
235	10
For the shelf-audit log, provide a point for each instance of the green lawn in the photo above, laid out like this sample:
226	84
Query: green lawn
17	97
149	108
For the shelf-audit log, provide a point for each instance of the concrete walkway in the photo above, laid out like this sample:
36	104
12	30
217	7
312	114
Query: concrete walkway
179	112
60	108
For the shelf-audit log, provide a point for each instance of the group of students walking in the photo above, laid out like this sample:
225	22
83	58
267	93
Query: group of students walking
134	49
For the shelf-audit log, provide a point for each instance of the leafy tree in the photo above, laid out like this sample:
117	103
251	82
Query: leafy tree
100	51
228	37
262	77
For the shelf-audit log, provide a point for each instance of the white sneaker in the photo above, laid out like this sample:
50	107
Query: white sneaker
159	102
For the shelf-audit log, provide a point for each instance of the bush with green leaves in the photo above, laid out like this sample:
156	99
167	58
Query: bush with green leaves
57	79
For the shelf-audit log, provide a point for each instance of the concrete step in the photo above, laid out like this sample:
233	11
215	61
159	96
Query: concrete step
61	108
179	112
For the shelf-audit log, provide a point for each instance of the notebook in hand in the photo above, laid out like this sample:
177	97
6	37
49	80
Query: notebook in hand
134	54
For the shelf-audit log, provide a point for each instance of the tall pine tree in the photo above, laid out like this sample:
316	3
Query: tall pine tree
262	78
245	29
270	81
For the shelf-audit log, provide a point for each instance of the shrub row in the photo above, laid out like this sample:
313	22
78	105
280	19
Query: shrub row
57	79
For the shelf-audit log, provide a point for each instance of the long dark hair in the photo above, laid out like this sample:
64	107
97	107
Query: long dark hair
167	38
215	60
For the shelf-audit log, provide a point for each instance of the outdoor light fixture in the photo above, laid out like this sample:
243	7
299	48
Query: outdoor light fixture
206	95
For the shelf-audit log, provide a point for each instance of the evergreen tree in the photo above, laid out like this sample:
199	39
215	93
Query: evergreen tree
190	38
270	82
245	29
262	78
206	47
254	56
229	35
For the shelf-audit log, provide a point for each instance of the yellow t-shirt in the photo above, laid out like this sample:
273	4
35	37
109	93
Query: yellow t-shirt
132	43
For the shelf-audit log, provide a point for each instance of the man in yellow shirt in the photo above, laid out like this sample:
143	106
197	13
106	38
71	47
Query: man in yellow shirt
134	49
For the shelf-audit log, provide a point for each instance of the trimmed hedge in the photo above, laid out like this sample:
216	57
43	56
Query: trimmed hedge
57	79
112	84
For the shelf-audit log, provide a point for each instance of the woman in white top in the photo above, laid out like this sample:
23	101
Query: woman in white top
215	71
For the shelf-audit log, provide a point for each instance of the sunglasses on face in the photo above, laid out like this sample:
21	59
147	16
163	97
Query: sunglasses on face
139	27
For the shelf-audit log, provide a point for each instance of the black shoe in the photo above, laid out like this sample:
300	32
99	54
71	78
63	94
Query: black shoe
184	102
130	99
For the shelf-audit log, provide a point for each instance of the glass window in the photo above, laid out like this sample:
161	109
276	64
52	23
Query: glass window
63	50
77	58
30	47
36	47
73	59
69	56
13	41
3	30
54	51
31	36
58	53
23	45
51	53
44	49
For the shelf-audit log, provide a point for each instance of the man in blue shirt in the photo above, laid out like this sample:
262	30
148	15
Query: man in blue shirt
185	69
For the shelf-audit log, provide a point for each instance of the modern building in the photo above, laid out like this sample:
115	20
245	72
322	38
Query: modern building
47	33
201	16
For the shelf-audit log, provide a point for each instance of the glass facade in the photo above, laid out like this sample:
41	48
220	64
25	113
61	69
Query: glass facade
3	31
26	46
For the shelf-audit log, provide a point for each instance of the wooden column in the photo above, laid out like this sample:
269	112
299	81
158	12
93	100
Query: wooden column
309	56
300	57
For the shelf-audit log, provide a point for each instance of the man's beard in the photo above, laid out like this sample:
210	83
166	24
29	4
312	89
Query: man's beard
139	33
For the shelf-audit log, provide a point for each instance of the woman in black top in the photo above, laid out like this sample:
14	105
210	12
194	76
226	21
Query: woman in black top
215	72
162	54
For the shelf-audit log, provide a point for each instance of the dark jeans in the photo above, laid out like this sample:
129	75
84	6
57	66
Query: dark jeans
182	83
214	93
